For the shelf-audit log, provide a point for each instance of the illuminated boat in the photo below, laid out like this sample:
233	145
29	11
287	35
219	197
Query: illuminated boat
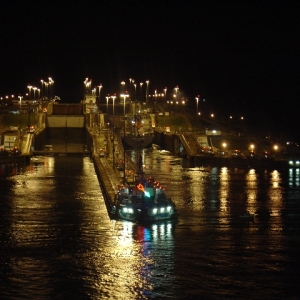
143	202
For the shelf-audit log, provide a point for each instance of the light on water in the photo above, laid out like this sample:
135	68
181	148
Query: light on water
57	240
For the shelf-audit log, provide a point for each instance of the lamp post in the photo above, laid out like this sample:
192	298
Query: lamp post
141	91
29	88
165	90
122	86
20	97
100	87
134	93
113	139
147	91
176	89
42	88
46	89
224	147
51	82
124	156
107	97
197	99
130	80
34	88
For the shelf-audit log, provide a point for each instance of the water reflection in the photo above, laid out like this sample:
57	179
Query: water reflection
294	177
57	240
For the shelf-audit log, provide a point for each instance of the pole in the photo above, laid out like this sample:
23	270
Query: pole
165	90
147	89
99	124
20	97
124	155
113	139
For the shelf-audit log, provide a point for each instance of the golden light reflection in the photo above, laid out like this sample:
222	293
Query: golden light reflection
126	239
275	192
251	184
224	188
196	183
275	179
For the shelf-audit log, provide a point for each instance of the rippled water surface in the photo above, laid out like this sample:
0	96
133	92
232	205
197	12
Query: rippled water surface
57	241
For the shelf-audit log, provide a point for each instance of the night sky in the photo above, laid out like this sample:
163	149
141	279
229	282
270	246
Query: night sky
241	56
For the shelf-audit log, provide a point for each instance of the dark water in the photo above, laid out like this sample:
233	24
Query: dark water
57	241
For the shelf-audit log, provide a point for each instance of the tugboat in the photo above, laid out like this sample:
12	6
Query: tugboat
143	201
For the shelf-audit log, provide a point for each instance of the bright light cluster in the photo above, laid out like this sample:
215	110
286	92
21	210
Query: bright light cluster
294	163
128	210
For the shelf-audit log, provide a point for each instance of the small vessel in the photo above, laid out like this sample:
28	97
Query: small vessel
143	200
131	141
138	131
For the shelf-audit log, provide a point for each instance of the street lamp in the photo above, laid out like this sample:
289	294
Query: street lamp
141	90
113	139
51	82
176	89
107	97
224	146
252	150
122	86
34	88
147	91
47	90
42	88
29	87
197	99
165	90
20	97
100	87
130	80
124	156
87	84
134	92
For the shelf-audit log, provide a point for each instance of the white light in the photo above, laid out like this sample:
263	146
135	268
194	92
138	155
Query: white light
169	208
154	210
162	209
291	162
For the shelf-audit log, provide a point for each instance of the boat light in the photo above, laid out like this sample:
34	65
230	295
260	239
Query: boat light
128	210
141	188
292	163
